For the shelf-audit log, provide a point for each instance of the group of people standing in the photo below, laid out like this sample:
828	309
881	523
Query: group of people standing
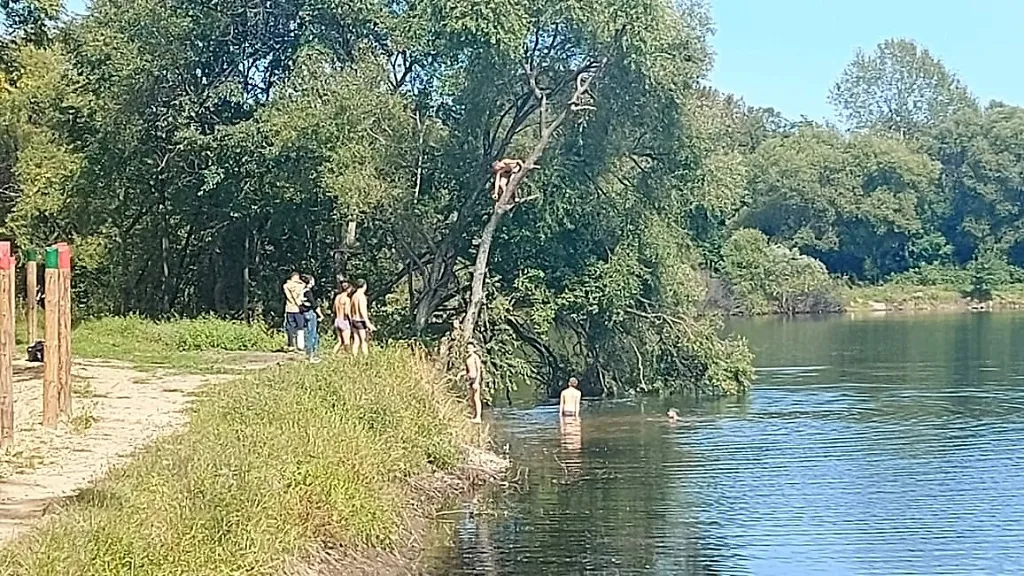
304	313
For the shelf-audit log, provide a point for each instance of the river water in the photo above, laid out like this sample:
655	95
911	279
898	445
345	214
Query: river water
868	446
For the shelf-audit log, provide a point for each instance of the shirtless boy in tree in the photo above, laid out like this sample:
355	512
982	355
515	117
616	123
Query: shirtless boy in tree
474	374
503	170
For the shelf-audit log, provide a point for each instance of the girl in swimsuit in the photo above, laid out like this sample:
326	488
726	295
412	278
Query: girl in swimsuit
342	323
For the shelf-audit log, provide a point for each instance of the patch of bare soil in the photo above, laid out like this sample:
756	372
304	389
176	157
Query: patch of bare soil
116	410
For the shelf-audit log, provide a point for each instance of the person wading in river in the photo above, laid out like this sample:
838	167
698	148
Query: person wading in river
569	401
474	375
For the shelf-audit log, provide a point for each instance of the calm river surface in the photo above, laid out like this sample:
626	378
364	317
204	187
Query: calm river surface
875	446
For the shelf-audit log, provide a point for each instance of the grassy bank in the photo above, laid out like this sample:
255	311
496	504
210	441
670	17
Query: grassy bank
271	466
898	296
192	344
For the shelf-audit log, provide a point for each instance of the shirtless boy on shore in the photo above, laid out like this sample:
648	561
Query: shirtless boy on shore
360	320
569	402
474	374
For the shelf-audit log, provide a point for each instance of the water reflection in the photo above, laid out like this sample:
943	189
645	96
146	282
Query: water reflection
572	447
879	447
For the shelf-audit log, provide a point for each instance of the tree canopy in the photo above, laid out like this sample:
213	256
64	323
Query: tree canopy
195	153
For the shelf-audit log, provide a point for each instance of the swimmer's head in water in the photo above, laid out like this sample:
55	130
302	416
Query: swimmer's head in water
673	414
574	382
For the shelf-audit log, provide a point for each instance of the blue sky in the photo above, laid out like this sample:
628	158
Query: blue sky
788	53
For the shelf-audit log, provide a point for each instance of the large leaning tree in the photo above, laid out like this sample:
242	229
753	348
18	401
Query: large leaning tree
585	263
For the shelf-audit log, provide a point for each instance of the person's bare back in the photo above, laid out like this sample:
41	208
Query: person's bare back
569	401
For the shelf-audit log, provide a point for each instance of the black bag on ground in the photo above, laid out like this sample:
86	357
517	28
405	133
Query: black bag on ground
35	352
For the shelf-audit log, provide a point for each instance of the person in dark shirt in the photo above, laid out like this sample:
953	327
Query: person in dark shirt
310	308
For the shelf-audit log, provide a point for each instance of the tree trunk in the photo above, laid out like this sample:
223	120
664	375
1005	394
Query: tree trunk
245	275
341	255
483	253
582	77
165	284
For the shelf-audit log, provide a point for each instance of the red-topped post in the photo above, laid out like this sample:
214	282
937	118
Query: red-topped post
64	334
6	347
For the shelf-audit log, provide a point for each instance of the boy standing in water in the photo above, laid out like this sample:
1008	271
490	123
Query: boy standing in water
474	374
569	402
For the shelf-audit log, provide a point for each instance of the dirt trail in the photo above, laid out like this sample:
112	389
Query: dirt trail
117	410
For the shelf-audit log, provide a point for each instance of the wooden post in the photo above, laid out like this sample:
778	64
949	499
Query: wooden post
6	335
14	305
64	334
31	309
51	339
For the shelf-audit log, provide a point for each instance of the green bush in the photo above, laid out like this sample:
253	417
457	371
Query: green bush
988	271
269	467
769	278
938	275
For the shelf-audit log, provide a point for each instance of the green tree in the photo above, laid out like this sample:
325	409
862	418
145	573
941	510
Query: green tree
900	87
982	156
770	278
195	153
861	204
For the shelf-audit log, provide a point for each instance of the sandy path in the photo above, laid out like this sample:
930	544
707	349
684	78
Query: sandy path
117	410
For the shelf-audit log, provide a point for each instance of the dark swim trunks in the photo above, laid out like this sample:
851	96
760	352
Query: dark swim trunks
474	383
358	324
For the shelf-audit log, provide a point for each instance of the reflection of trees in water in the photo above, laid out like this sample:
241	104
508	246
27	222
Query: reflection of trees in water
620	514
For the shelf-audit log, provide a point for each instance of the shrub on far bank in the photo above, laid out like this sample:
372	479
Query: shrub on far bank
988	276
270	467
768	278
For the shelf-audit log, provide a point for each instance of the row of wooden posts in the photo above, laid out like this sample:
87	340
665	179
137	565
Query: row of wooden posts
56	338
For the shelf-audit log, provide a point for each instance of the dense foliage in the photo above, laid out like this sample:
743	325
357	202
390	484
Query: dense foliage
196	152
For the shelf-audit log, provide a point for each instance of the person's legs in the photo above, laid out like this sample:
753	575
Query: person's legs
291	330
474	399
298	323
359	333
312	336
364	346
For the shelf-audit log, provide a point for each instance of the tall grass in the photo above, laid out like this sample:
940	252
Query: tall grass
136	339
270	466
